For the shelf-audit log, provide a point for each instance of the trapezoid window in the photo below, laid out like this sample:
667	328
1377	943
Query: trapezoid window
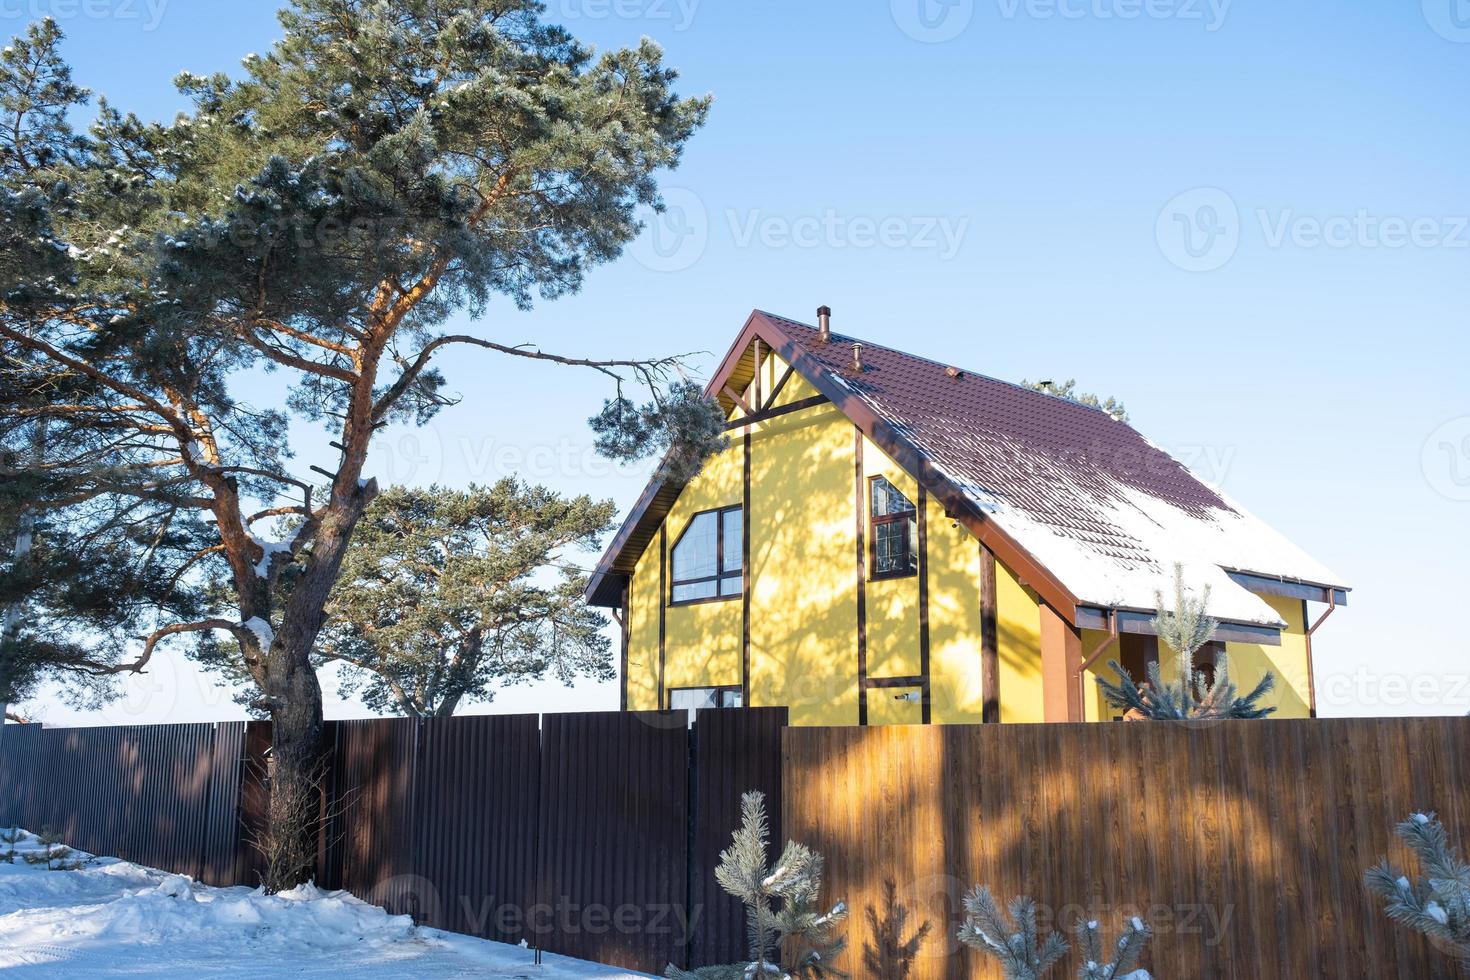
895	530
706	563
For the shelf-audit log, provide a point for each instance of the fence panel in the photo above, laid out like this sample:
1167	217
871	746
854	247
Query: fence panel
613	880
375	762
20	775
734	751
475	799
1243	842
220	854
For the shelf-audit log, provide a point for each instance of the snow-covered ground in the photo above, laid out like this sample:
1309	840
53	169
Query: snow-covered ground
110	918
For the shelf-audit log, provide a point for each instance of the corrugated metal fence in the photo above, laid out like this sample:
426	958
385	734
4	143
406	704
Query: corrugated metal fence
594	835
597	835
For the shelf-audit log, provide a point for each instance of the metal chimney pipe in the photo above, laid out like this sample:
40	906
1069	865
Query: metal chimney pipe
824	323
857	357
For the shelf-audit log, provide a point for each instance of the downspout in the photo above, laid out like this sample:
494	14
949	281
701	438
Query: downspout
1102	648
1311	672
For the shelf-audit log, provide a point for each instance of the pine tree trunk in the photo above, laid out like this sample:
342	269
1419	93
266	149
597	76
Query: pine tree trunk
296	771
294	695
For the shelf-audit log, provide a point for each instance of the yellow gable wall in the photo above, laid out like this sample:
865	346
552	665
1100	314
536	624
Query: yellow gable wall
803	570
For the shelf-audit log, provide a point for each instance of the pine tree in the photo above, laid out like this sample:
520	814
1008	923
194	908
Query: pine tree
1185	628
1068	390
1023	955
1438	904
446	594
10	838
1099	964
323	216
780	906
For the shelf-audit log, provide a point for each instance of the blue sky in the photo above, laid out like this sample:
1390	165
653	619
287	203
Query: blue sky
1247	219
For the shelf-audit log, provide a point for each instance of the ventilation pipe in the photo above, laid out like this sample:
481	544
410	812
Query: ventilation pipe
824	323
857	357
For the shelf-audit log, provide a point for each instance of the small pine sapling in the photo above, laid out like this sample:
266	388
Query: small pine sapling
10	838
1184	629
780	906
1023	955
53	853
1437	905
1123	962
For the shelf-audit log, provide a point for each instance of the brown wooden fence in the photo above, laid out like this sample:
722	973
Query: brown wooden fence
597	835
1244	842
594	835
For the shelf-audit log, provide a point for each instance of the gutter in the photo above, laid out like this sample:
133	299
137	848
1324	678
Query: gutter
1311	671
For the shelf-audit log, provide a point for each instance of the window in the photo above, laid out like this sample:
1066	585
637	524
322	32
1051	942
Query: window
894	530
693	698
707	559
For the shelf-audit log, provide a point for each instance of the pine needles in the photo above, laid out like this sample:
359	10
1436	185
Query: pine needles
781	908
1437	905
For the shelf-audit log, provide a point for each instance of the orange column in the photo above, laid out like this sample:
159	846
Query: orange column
1061	655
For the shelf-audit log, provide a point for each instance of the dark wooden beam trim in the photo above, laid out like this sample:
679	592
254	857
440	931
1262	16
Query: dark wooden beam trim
926	709
745	576
776	388
624	637
989	639
663	605
1266	585
1130	621
775	413
859	485
916	680
755	383
738	400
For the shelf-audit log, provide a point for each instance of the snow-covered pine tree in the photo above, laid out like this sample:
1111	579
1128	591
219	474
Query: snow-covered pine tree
1023	955
10	838
1122	962
1185	628
1068	390
1437	905
336	212
1026	955
780	906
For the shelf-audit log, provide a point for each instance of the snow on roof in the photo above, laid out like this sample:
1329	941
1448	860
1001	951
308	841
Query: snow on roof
1102	508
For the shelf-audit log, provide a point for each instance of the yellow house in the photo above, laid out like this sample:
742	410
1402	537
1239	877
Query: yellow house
891	539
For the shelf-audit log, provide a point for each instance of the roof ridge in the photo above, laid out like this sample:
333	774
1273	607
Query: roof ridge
963	370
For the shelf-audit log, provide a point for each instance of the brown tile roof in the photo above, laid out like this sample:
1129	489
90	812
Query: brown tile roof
1102	511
